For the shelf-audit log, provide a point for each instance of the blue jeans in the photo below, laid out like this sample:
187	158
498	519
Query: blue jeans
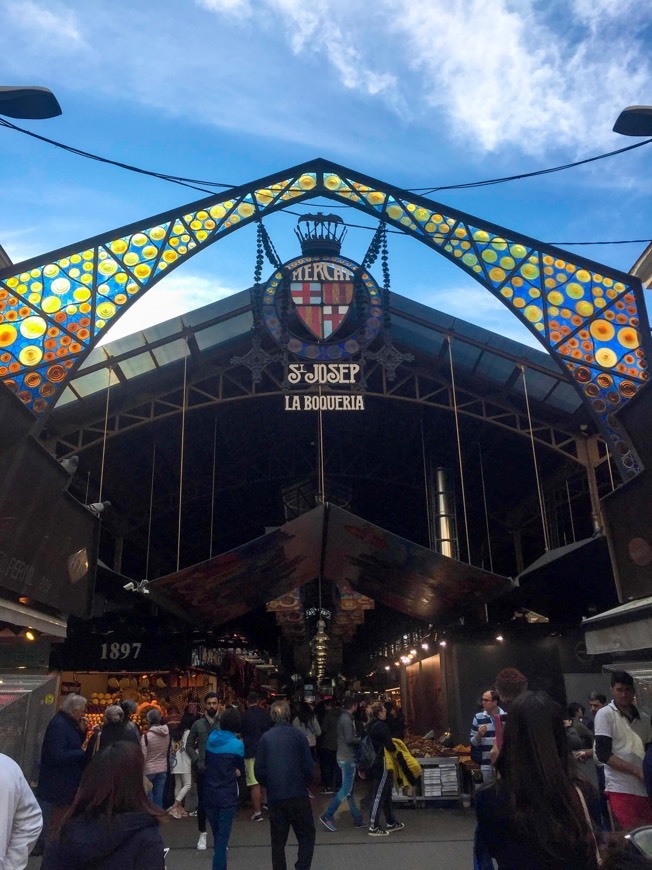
346	791
220	820
158	787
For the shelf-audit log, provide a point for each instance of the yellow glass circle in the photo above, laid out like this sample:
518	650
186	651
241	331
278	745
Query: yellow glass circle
628	337
332	182
170	256
499	244
533	313
584	308
33	327
264	197
131	258
149	252
139	239
574	290
395	212
307	182
489	256
376	197
507	263
8	334
51	304
583	276
30	355
602	330
120	298
605	357
529	271
107	267
51	270
157	233
142	271
481	236
496	274
246	209
422	214
518	251
105	310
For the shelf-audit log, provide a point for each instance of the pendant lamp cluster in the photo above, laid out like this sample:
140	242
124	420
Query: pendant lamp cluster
320	644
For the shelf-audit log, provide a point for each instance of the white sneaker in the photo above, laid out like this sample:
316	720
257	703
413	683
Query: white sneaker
257	817
201	842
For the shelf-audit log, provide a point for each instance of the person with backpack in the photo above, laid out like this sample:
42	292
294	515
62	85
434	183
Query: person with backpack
347	743
381	778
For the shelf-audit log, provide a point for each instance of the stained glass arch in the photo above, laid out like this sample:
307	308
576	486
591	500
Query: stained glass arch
589	317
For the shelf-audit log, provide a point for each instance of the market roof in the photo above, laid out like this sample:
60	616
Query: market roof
478	353
341	548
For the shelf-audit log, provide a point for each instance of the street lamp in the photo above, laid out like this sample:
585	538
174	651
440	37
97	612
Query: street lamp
28	102
634	121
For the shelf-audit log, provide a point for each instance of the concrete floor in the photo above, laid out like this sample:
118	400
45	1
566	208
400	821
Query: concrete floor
432	837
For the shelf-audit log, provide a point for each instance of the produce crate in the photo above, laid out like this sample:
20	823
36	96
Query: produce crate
440	780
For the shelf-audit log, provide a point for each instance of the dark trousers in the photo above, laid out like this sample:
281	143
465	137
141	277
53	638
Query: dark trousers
297	814
329	768
221	820
201	812
381	797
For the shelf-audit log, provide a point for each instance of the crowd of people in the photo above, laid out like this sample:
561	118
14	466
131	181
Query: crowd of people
554	781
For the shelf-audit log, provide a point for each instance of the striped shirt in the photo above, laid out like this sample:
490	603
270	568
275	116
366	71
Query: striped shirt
487	740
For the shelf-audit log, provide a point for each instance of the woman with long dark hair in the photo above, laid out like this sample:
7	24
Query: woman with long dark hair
308	724
535	815
111	824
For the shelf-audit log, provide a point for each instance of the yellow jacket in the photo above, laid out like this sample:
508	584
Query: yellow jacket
404	766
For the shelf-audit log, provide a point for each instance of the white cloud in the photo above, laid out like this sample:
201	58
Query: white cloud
52	28
477	305
505	75
173	296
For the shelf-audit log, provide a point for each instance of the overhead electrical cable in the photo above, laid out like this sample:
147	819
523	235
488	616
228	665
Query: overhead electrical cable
188	182
195	183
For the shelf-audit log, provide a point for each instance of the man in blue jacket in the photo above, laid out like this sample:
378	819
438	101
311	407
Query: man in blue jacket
284	766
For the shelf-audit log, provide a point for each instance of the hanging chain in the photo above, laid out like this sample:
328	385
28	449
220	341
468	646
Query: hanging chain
384	259
256	290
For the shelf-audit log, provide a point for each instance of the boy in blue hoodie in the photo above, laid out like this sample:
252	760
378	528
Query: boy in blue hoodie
224	764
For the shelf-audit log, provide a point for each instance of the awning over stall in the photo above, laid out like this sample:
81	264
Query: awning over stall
624	628
342	548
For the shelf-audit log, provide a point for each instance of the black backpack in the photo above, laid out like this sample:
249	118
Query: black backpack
366	754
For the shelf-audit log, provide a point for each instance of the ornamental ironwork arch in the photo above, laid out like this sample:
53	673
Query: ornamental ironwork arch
589	317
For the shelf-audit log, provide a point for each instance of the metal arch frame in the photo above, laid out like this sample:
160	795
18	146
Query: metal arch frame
64	301
235	384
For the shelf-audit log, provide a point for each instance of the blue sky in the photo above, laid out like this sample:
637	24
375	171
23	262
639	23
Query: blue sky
419	93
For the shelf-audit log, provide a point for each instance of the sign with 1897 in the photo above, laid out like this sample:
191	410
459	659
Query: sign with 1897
122	651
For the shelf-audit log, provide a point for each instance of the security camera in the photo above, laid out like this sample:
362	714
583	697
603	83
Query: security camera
130	587
98	507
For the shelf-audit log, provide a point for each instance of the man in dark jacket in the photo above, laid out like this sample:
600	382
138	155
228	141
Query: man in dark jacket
255	721
62	762
284	767
196	749
224	763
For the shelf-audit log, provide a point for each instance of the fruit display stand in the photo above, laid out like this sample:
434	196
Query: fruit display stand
441	772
